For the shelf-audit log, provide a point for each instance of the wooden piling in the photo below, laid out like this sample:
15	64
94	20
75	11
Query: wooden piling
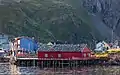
14	70
34	63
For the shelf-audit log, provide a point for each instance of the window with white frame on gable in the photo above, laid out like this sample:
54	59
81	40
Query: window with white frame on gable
89	55
46	55
84	55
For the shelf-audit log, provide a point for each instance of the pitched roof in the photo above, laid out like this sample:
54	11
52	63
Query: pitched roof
26	38
62	47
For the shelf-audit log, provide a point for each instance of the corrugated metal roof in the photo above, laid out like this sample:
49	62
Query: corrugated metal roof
25	38
27	43
62	47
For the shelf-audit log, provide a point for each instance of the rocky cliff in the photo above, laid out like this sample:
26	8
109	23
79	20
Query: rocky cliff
108	12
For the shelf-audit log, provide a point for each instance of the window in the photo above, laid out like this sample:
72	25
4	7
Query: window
89	55
18	41
59	55
84	55
46	55
52	56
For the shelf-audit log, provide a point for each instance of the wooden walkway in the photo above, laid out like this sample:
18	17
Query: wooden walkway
54	59
27	58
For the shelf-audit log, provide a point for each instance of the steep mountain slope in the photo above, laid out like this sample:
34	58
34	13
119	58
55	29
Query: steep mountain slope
107	11
48	20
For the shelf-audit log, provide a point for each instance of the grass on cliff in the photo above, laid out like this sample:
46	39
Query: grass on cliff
45	20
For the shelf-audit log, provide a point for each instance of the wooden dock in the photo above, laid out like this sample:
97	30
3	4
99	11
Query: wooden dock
55	62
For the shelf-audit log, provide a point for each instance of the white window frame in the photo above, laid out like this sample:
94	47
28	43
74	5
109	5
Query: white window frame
89	55
19	42
46	55
84	54
59	55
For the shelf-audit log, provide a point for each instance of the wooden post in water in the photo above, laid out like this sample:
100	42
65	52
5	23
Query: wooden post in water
69	64
59	64
42	64
22	63
76	66
47	64
62	67
14	70
34	62
26	63
53	66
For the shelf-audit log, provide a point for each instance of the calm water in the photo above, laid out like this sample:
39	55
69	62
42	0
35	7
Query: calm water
91	70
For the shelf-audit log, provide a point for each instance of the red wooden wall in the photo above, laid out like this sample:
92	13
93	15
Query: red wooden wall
85	53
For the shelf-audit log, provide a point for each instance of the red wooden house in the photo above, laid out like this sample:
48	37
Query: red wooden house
65	52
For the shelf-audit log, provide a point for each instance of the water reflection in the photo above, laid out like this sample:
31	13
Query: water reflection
14	70
86	70
90	70
4	69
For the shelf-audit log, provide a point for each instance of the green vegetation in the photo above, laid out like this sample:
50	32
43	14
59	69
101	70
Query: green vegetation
46	20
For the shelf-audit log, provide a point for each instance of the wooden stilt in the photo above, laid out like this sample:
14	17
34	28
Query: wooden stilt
62	67
42	64
76	67
55	65
69	64
27	63
47	63
34	63
22	63
59	63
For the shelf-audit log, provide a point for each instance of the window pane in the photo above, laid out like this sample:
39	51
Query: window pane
46	55
88	54
84	55
59	55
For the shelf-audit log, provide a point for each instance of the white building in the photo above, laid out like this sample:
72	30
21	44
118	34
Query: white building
4	42
99	46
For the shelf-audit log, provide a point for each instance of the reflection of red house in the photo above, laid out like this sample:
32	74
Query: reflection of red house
81	53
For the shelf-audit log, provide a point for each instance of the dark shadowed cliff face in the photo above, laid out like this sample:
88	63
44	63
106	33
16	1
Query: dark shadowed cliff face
48	20
108	10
